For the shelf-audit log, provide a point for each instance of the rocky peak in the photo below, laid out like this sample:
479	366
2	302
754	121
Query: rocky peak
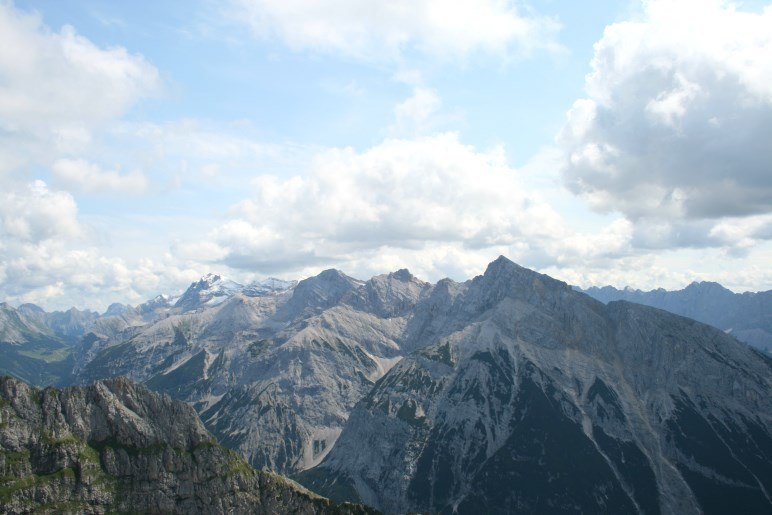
116	446
210	290
116	309
319	292
710	287
403	274
30	308
267	287
503	278
389	295
533	398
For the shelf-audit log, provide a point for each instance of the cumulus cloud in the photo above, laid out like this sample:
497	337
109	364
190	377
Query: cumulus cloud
80	175
50	257
422	199
56	86
677	118
62	76
374	30
36	213
56	276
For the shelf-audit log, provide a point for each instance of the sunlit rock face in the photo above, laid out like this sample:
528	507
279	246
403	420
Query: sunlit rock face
539	399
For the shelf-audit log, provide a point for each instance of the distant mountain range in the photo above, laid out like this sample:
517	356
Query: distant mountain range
746	316
508	392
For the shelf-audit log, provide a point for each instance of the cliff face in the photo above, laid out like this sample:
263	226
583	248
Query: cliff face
542	400
116	446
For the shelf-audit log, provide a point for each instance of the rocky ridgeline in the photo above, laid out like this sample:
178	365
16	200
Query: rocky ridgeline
539	399
508	392
746	316
115	446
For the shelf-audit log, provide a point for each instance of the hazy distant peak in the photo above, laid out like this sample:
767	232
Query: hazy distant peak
30	308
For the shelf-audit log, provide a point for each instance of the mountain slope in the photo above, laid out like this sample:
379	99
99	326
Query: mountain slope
31	351
747	316
542	399
273	376
116	446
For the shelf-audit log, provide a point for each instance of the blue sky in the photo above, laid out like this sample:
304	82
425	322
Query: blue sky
607	142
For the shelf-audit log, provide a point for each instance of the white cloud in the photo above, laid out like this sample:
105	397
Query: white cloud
374	30
59	92
86	177
35	214
678	114
422	200
415	114
56	276
55	87
64	77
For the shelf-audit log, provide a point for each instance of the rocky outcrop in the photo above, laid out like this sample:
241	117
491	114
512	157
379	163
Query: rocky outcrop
537	399
116	446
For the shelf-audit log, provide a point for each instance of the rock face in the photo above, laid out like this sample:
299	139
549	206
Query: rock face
535	398
273	375
116	446
747	316
513	393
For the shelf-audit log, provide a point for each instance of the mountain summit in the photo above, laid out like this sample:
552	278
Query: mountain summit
539	399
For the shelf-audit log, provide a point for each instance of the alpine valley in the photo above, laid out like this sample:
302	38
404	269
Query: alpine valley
511	392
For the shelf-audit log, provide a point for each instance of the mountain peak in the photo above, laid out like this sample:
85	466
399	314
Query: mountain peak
31	308
211	289
320	291
268	286
210	279
330	274
706	286
116	309
403	274
500	264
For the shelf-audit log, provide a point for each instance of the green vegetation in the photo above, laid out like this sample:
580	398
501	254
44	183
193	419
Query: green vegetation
441	353
10	486
36	363
331	485
255	349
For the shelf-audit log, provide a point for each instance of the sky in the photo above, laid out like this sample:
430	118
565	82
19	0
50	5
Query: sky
145	144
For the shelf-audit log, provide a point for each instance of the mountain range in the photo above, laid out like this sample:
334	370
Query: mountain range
746	316
545	400
508	392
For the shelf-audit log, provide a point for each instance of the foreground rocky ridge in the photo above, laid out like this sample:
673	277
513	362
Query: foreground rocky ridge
540	399
116	446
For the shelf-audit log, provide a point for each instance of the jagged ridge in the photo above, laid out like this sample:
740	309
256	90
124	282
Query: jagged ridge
116	446
541	399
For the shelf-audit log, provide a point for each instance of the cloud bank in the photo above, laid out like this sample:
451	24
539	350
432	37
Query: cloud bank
677	119
385	31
